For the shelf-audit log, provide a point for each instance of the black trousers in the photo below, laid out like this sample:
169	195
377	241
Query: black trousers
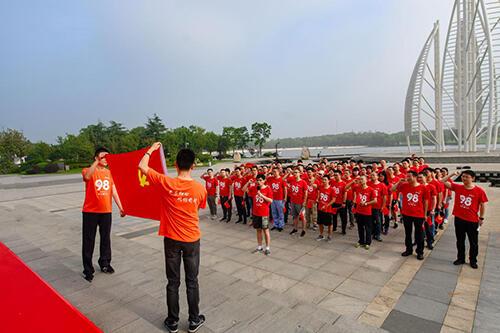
465	228
342	212
190	254
226	211
89	229
411	222
241	210
364	228
350	214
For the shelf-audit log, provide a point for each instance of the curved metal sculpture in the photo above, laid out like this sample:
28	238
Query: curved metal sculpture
419	111
466	90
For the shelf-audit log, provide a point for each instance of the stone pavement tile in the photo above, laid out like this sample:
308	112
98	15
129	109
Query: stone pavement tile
361	290
251	274
208	260
486	322
315	318
422	307
227	266
303	245
442	279
286	254
339	268
387	264
343	305
279	298
139	326
311	261
89	298
69	284
277	282
448	329
372	320
465	296
228	252
217	279
441	265
30	255
270	264
357	258
149	308
430	291
346	325
459	318
111	316
398	322
371	276
245	245
55	272
249	258
324	280
293	271
241	289
325	252
307	292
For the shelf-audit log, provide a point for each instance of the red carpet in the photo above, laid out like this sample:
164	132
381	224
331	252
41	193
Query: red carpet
29	304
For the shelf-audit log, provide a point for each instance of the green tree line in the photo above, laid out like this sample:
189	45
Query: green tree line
371	139
77	150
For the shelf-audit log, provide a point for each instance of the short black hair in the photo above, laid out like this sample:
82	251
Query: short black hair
470	173
337	171
101	150
210	170
260	176
326	176
413	173
228	170
185	159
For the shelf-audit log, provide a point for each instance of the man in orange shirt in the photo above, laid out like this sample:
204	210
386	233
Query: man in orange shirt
97	208
181	197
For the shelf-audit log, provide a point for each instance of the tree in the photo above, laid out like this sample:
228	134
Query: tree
39	152
13	145
211	142
230	138
74	148
242	137
260	133
154	129
96	134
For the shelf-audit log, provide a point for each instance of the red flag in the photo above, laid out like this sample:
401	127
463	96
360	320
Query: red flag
138	197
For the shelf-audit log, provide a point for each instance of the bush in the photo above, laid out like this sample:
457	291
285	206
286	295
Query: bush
34	170
204	158
51	168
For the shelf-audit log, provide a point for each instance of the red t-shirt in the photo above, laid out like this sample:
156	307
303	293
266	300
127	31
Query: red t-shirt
98	191
339	190
467	202
238	183
392	181
260	206
364	195
277	185
431	192
297	191
413	199
312	195
211	185
325	195
252	186
180	201
380	192
224	186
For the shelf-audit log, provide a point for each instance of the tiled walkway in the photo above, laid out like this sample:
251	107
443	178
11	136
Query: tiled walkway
304	286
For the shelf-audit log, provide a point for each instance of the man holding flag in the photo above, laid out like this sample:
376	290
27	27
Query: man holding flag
180	198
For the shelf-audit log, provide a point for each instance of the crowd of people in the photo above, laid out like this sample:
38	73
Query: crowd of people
339	195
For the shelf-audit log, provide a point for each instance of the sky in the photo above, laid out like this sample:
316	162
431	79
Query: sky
307	67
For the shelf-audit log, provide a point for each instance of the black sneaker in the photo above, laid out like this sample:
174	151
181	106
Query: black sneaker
107	269
273	228
473	265
395	226
280	229
293	231
303	233
406	254
172	327
420	256
430	247
238	221
222	219
458	262
88	277
195	326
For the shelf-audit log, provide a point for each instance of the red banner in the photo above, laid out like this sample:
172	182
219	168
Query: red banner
29	304
138	197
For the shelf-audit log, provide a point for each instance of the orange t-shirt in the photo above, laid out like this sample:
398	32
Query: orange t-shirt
180	201
98	191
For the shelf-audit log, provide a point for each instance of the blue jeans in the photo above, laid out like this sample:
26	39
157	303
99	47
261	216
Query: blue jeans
277	212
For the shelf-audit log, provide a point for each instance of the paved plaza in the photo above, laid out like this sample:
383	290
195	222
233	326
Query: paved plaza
304	286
